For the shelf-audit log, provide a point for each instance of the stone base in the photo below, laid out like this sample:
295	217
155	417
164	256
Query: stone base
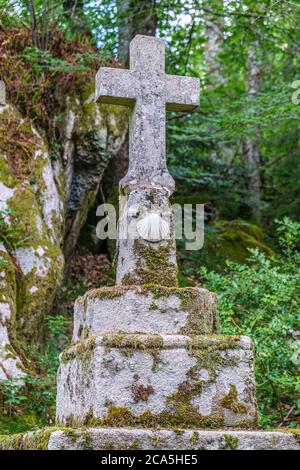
145	309
150	381
145	439
148	439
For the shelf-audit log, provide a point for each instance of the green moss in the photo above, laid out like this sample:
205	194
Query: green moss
8	295
85	333
33	307
129	343
31	441
231	240
111	445
294	432
231	442
155	441
231	402
24	205
205	345
194	438
83	351
198	311
5	176
133	341
38	440
103	293
155	266
122	417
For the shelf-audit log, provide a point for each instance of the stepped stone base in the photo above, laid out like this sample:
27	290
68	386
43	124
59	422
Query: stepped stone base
149	439
151	380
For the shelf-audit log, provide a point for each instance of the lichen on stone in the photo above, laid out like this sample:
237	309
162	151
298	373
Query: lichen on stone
140	392
231	402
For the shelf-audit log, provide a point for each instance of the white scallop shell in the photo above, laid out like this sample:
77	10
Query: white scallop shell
153	227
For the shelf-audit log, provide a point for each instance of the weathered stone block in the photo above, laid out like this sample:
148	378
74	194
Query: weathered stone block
145	309
147	439
152	380
150	439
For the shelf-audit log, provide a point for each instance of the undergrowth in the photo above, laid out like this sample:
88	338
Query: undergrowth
29	404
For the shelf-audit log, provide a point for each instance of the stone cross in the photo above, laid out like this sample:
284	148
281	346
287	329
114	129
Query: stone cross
149	92
2	93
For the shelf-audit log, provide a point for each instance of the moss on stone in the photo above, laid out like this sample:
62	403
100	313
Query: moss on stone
111	445
198	310
231	402
122	417
37	440
294	432
207	349
103	293
155	266
180	410
213	342
5	175
32	307
133	341
129	343
194	438
82	351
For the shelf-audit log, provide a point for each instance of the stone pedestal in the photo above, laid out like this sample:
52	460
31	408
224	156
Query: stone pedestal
151	356
147	357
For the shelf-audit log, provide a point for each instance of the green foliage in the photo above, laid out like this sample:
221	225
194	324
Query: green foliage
261	299
29	403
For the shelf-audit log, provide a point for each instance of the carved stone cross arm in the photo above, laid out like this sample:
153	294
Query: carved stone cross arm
115	86
182	93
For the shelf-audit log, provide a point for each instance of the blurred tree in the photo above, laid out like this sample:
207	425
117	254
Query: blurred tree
134	18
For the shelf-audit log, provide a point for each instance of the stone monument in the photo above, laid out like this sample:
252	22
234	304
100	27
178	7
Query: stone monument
147	358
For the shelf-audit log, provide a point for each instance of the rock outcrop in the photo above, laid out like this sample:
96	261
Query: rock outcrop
43	204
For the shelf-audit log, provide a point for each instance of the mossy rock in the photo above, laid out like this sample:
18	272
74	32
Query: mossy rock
226	240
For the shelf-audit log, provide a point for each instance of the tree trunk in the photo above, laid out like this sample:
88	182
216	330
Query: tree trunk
251	151
134	18
79	24
214	40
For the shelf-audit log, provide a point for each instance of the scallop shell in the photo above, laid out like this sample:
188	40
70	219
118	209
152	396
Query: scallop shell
153	227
